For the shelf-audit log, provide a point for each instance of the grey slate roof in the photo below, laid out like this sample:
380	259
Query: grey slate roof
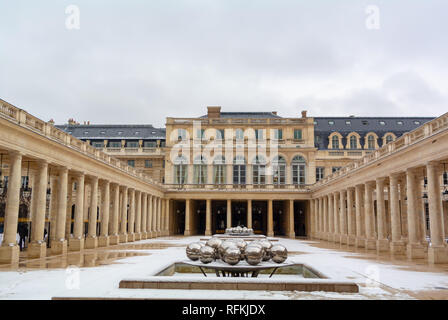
103	131
245	115
362	126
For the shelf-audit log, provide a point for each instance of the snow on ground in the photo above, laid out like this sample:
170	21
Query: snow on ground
377	280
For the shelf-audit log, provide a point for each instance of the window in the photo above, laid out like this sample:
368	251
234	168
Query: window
365	122
298	134
132	144
103	132
279	170
181	134
200	170
239	170
382	123
335	142
162	144
298	170
353	142
148	163
416	122
320	173
371	142
445	178
389	138
239	134
86	132
115	144
219	170
136	132
348	122
400	123
220	134
98	145
200	133
331	122
120	133
278	134
150	144
334	169
25	182
259	170
131	163
259	134
180	170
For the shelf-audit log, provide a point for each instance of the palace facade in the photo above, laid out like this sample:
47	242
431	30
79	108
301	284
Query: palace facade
373	182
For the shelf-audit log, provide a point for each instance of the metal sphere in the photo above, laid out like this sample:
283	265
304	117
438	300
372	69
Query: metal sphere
267	245
214	242
232	255
241	244
207	254
224	245
254	255
279	253
193	251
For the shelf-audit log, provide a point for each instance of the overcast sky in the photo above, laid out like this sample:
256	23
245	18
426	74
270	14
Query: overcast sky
142	61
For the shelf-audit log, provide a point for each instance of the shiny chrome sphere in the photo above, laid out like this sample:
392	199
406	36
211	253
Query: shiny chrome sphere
193	251
207	254
279	253
241	244
232	255
253	255
224	245
267	245
214	242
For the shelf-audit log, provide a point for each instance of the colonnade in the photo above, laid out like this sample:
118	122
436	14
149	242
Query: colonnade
126	214
388	214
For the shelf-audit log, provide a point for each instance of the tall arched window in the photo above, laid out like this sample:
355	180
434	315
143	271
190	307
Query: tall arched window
239	170
219	170
200	170
371	142
353	142
259	170
389	138
298	170
279	170
335	142
180	170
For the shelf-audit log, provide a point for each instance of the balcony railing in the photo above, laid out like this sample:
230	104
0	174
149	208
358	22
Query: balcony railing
234	187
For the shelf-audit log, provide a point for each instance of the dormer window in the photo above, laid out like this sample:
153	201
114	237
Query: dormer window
382	123
348	122
120	133
331	122
416	122
400	123
102	132
86	132
365	122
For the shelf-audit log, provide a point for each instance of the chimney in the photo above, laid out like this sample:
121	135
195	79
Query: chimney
213	112
274	112
304	114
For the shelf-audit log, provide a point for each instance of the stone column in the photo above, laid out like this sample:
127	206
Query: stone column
437	252
9	250
291	232
382	244
343	217
351	218
123	236
59	246
312	220
85	214
270	219
403	210
154	217
229	213
114	238
336	234
92	239
138	215
68	215
396	245
144	232
167	217
103	240
321	220
76	243
414	248
131	221
208	217
159	211
360	240
325	218
330	218
37	247
249	214
368	212
53	207
187	231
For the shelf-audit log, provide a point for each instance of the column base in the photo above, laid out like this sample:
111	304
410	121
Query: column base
382	245
208	232
59	247
351	240
123	238
114	240
415	251
343	239
437	254
137	236
336	238
37	250
187	233
91	242
270	234
360	242
370	244
292	235
9	254
144	236
150	234
397	248
131	237
75	244
103	241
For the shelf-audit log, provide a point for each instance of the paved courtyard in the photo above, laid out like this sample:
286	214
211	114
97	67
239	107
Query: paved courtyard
97	273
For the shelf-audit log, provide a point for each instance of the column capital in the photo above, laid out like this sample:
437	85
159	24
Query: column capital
15	153
380	179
